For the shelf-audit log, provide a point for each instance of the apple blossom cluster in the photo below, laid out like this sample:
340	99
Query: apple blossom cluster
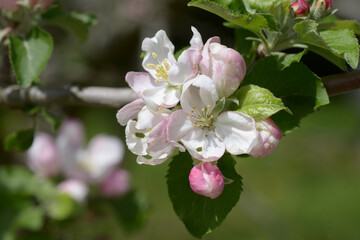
96	164
14	5
183	103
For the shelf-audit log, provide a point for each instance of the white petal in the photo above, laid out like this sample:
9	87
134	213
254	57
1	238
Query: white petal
180	125
129	111
140	81
76	189
164	96
162	47
204	145
136	145
196	41
237	130
105	153
198	92
148	119
158	143
150	161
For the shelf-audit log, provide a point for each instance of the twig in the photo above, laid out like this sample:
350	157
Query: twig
17	97
342	83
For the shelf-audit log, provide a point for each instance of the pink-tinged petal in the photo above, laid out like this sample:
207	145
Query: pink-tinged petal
43	156
196	41
185	68
237	130
198	92
136	140
140	81
180	125
206	180
162	47
269	135
164	96
205	64
204	145
105	152
115	184
148	160
148	119
129	111
71	134
76	189
158	144
9	5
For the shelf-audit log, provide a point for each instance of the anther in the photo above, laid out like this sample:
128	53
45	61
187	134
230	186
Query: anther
203	109
154	55
194	125
212	116
190	116
194	107
150	65
208	106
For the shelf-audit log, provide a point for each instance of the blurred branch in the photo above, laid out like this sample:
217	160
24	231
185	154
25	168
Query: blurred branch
15	96
342	83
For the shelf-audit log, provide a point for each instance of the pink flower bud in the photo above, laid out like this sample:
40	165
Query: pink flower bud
43	156
322	6
300	8
116	184
224	65
9	5
76	189
269	135
207	180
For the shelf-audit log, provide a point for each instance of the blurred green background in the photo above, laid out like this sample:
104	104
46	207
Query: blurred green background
309	188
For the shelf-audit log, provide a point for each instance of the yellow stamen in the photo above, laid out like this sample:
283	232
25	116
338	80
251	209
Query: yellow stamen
203	109
154	55
150	65
194	107
190	116
212	116
194	125
208	106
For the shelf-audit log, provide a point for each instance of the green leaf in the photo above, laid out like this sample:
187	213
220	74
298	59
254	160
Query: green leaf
77	24
31	218
201	214
258	102
58	206
19	141
299	88
343	42
130	210
50	118
234	11
285	60
247	48
29	56
336	43
341	24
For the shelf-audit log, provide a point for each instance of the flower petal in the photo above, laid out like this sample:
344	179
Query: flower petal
148	160
196	41
162	47
198	92
164	96
204	145
148	119
180	125
205	63
140	81
129	111
237	130
136	140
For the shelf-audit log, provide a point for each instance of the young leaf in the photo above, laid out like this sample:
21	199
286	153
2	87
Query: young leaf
341	24
77	24
258	102
299	88
285	60
234	11
201	214
29	56
19	141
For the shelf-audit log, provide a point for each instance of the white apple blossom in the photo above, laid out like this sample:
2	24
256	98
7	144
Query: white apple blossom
161	85
75	188
147	136
205	132
115	184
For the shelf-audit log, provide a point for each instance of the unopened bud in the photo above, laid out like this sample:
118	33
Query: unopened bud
116	184
269	135
300	8
321	8
9	5
207	180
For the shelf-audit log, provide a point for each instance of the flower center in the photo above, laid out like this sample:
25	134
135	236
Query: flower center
202	118
161	69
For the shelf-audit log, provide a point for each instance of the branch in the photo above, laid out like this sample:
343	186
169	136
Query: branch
342	83
17	97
